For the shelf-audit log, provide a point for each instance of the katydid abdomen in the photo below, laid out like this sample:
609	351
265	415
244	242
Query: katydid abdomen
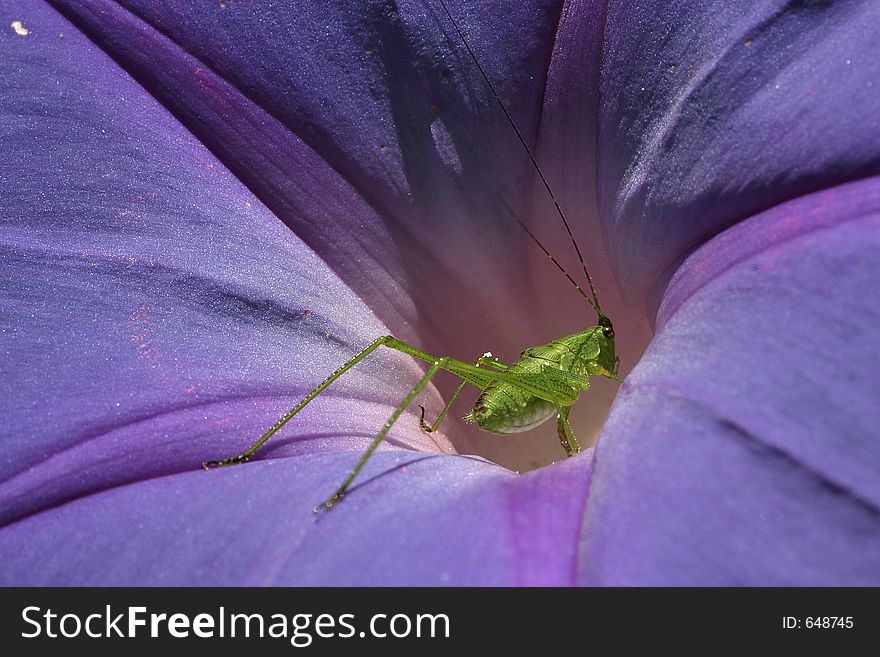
503	409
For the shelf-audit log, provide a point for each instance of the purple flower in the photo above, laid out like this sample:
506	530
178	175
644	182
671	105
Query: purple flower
207	209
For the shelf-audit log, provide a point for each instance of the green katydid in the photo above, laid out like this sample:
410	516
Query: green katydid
515	397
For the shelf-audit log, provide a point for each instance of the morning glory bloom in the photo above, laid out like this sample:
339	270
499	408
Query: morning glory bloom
207	208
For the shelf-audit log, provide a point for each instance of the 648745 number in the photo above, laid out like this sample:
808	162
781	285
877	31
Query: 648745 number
828	621
824	622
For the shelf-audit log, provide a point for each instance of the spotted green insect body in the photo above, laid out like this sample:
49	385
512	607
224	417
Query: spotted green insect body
563	366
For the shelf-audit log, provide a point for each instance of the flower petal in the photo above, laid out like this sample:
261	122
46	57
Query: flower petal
712	112
155	314
414	519
744	449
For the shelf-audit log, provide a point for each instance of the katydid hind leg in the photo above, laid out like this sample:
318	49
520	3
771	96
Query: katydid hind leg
445	363
437	363
426	378
385	340
249	452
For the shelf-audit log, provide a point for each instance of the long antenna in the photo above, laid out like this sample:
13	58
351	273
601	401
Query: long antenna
548	254
595	302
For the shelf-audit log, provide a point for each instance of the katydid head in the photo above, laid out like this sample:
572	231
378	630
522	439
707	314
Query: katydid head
607	356
607	328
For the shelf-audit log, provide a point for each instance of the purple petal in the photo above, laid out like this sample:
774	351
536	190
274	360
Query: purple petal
155	313
255	525
743	448
712	112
